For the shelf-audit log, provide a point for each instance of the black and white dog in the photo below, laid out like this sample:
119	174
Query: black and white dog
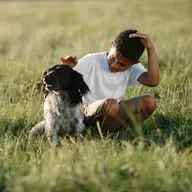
63	108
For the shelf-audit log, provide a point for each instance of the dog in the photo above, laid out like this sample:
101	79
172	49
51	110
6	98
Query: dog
63	109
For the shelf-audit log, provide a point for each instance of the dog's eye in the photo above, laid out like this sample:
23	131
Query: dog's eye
57	68
60	70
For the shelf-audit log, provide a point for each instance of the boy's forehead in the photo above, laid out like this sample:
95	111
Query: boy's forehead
118	56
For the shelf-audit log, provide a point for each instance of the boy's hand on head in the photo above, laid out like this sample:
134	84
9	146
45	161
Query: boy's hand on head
69	60
151	77
144	39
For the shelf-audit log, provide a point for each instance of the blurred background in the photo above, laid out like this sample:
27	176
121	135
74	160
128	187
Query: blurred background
33	36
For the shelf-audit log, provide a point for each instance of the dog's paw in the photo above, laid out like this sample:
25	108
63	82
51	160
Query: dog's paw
55	145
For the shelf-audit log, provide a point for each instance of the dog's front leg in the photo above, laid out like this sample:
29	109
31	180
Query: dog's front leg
51	131
79	130
80	126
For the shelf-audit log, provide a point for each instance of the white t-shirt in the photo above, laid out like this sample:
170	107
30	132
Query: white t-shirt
103	83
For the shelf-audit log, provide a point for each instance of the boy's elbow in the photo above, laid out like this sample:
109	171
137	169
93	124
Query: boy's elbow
154	83
149	81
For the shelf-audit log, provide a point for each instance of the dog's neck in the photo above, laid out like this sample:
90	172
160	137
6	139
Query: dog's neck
55	92
72	97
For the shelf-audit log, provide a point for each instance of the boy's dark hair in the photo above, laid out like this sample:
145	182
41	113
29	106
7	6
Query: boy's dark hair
130	48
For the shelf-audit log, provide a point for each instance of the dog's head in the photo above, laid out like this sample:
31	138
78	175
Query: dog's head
62	77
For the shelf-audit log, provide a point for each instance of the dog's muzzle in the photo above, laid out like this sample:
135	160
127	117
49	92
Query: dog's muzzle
51	82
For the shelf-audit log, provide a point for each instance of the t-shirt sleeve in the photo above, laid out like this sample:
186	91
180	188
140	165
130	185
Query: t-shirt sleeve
136	71
83	65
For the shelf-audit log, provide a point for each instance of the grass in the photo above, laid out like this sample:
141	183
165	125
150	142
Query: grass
157	157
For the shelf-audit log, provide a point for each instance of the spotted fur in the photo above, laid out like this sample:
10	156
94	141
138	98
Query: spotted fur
63	108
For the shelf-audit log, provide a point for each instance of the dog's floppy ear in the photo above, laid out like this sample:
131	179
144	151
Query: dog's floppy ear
78	87
79	82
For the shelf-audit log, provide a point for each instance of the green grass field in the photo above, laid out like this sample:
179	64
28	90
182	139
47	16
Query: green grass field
157	157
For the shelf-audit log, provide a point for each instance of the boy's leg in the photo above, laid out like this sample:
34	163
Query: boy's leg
93	113
134	111
114	116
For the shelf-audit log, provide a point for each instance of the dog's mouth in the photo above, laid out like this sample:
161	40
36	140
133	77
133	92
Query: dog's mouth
50	87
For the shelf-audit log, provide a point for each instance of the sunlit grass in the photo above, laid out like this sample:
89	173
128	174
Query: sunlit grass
156	157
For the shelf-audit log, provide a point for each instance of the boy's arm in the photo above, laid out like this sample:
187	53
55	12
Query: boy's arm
69	60
151	77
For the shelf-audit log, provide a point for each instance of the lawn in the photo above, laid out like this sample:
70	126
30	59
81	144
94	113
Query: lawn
156	157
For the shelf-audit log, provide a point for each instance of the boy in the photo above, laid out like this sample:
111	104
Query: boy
109	74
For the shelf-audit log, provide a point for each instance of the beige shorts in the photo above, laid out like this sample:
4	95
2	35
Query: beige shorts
92	114
92	111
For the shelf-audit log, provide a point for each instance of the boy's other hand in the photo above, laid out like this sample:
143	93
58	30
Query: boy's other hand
69	60
144	39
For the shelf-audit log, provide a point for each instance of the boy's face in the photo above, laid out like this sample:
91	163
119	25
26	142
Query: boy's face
117	63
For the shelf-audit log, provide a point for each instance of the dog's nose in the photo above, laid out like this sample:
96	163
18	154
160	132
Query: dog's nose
49	77
45	77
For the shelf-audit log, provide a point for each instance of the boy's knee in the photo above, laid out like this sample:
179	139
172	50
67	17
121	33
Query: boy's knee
111	108
149	103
